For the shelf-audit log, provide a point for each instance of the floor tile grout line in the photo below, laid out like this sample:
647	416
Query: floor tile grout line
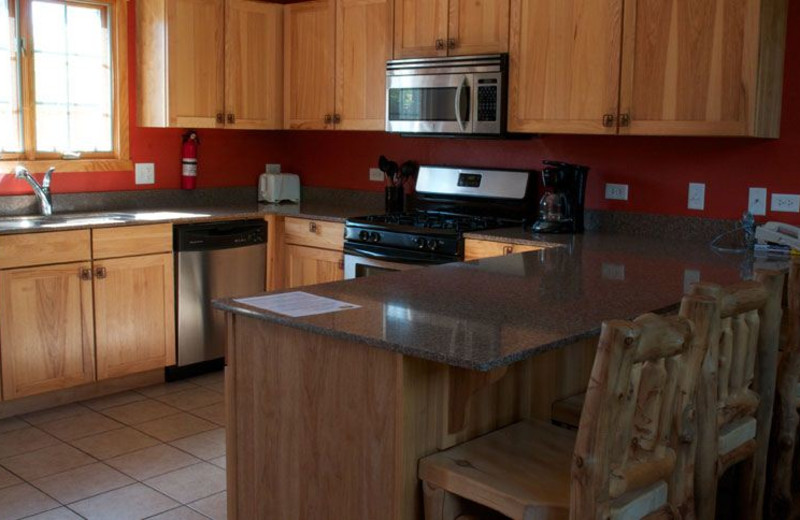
176	508
175	499
76	403
66	504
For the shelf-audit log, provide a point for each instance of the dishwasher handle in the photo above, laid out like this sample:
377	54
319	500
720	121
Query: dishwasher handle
219	235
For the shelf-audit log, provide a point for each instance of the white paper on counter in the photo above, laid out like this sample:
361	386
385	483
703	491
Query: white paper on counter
297	304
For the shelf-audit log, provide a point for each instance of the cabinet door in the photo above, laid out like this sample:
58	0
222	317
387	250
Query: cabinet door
477	249
253	65
565	62
309	266
135	315
690	67
309	66
196	62
478	27
46	328
418	26
363	44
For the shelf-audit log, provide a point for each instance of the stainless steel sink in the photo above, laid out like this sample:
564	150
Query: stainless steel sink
64	220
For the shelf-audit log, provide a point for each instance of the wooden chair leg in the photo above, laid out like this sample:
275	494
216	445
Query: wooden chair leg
439	504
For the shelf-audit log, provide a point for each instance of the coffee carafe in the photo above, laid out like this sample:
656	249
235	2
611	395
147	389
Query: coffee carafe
561	206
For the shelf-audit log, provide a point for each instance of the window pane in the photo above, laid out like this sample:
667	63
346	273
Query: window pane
10	131
73	77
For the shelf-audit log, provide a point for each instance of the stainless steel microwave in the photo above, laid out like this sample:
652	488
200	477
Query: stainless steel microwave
456	95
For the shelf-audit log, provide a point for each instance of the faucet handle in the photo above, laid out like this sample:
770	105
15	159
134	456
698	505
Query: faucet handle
47	177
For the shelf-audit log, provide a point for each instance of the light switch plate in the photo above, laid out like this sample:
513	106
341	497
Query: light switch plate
375	175
616	191
697	196
757	201
145	173
272	168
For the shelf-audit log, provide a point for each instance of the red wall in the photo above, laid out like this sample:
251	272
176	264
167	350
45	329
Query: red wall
657	169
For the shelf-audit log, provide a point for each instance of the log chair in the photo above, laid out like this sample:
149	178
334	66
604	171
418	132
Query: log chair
633	453
736	391
781	475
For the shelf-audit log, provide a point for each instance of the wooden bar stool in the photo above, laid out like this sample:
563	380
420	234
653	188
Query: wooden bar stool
633	454
782	473
737	386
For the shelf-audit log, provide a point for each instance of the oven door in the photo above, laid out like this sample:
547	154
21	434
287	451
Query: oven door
435	103
356	266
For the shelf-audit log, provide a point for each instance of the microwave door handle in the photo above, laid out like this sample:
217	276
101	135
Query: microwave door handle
459	93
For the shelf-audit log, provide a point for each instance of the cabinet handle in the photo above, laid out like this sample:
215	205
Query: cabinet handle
231	118
220	118
312	227
439	44
341	264
328	119
608	120
507	250
100	272
337	119
625	120
85	273
451	43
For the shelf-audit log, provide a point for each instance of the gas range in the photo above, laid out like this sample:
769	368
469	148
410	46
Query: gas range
450	202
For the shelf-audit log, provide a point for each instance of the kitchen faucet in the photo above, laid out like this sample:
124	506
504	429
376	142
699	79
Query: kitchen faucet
42	191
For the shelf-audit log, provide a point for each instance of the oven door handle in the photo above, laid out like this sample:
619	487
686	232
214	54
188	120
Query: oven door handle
414	257
459	93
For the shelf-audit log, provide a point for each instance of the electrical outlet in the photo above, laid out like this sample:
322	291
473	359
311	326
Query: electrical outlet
613	271
145	173
272	168
785	202
375	175
690	276
616	191
757	201
697	196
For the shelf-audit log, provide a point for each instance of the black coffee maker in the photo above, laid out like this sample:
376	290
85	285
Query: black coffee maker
561	206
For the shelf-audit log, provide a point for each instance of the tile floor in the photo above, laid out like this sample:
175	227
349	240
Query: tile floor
155	453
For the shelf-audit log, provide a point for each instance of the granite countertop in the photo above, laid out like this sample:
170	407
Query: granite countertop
331	211
493	312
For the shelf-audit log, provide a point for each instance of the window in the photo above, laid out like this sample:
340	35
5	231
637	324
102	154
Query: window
63	92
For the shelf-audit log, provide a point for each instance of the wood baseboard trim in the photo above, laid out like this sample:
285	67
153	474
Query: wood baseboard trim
36	403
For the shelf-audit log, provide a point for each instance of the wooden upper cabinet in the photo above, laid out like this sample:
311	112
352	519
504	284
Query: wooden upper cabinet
363	45
309	65
253	68
427	28
195	62
209	63
46	328
706	67
564	66
135	313
478	27
419	24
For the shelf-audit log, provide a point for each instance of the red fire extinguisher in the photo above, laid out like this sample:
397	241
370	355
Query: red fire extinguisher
189	160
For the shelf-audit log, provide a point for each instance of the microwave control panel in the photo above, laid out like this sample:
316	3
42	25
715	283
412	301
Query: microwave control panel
487	100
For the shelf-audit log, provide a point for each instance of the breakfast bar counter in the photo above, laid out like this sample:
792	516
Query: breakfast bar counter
329	414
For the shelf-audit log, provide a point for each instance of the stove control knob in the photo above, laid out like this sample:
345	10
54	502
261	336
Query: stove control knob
420	242
363	235
433	245
375	236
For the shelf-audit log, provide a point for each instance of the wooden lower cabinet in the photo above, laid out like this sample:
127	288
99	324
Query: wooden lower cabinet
477	249
46	328
135	314
310	265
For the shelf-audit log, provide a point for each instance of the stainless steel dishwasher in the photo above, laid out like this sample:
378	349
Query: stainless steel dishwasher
217	260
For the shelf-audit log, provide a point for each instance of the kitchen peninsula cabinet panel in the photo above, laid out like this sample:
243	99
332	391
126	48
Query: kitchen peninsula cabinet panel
363	45
134	309
209	63
46	328
564	66
309	66
704	67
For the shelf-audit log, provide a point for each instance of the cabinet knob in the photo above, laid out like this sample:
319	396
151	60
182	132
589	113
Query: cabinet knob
341	264
85	273
220	118
625	120
507	250
439	44
328	119
337	119
451	43
312	227
608	120
231	118
100	272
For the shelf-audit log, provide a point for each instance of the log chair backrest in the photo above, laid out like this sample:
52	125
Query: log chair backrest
624	441
780	475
